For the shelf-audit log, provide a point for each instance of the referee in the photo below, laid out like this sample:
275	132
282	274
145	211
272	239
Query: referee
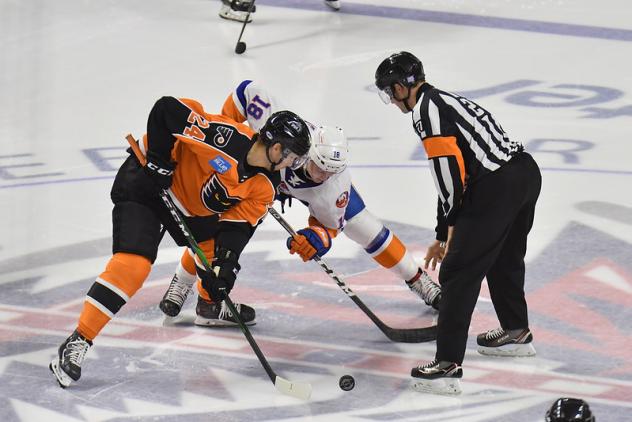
488	188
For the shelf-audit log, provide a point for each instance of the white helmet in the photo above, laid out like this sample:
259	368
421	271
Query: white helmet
330	149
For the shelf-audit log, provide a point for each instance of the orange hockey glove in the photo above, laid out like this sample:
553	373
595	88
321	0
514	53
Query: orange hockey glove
310	242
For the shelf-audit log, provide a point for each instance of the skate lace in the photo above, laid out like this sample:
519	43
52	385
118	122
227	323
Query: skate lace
428	365
494	334
426	288
177	291
76	351
225	313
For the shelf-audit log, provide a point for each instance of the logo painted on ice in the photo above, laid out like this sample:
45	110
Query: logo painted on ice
220	164
343	199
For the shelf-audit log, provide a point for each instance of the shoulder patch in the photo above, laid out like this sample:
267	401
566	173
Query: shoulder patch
220	164
343	199
222	136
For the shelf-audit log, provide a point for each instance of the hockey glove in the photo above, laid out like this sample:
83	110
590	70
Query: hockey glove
310	242
220	280
282	197
159	169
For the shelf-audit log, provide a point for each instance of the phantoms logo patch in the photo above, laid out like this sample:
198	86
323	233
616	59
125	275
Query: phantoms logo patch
222	136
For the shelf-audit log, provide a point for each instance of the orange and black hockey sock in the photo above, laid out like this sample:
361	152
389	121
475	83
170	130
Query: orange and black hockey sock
208	247
123	276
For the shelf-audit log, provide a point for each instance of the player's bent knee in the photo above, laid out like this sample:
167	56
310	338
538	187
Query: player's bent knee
136	230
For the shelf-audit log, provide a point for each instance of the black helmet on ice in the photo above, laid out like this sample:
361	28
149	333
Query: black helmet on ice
569	410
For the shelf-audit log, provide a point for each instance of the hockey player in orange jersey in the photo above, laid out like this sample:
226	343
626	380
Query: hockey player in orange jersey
335	206
220	174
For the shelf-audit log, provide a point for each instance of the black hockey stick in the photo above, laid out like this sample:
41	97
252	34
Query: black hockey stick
240	47
295	389
402	335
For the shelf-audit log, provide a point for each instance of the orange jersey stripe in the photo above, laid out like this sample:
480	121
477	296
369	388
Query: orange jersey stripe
439	146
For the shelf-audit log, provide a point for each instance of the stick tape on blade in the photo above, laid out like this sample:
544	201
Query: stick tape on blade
295	389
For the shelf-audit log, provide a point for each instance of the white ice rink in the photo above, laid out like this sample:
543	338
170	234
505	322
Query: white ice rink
76	76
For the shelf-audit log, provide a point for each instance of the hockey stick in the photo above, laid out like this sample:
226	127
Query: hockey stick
240	47
295	389
402	335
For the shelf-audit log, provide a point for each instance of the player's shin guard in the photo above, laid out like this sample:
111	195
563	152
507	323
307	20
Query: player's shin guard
123	276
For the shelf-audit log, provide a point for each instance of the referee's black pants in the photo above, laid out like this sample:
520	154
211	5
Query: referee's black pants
490	239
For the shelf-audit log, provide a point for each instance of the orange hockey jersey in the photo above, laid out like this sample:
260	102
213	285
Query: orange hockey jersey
212	175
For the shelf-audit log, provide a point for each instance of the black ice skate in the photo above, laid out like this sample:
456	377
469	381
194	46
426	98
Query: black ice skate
236	10
426	289
218	315
438	377
175	296
499	342
67	365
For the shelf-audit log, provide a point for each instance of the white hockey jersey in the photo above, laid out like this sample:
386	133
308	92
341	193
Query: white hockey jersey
327	202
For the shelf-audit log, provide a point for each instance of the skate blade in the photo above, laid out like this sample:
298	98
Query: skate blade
180	320
509	350
443	386
62	378
218	323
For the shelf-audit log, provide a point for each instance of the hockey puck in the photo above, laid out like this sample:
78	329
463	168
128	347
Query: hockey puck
240	47
346	382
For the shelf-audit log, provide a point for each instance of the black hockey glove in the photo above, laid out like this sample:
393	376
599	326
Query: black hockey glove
160	170
282	197
219	282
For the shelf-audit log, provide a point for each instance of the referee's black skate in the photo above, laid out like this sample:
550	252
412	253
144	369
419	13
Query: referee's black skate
438	377
500	342
211	314
176	295
425	288
67	365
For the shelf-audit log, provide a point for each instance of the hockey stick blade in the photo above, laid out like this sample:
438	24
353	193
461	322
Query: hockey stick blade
300	390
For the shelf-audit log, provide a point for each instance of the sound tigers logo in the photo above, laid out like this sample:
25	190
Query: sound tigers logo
343	199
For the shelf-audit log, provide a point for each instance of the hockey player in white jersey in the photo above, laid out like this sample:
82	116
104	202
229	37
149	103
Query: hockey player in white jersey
335	206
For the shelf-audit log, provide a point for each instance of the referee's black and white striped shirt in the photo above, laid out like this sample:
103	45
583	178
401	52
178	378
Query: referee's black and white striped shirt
463	143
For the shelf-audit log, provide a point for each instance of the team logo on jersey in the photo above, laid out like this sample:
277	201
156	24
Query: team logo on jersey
220	164
215	196
222	136
343	199
294	180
